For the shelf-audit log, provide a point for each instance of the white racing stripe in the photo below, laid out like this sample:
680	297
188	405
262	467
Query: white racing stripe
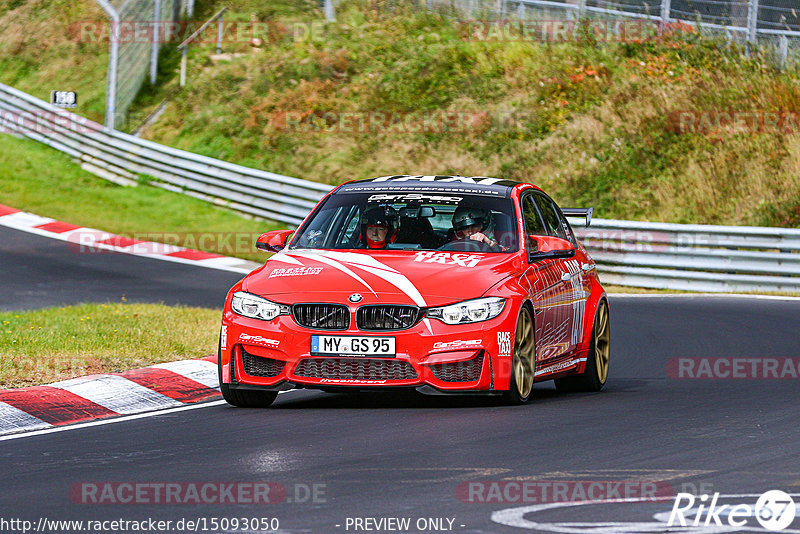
371	265
324	257
14	420
201	371
118	394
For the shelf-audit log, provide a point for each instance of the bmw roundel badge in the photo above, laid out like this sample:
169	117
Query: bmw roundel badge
355	297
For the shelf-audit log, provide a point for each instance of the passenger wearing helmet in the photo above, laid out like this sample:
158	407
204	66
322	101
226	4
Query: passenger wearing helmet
474	223
378	226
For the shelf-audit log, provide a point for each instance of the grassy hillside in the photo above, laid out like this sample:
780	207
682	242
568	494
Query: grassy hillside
43	181
40	51
591	123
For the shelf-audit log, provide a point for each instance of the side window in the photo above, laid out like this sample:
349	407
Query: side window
533	221
351	236
552	219
567	228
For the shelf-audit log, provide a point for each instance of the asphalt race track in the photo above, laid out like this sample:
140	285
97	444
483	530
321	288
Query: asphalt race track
378	456
38	272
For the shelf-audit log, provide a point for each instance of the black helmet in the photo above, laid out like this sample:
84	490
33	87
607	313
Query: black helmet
465	216
380	216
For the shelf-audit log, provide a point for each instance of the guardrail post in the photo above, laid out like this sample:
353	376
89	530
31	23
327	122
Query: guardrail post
154	49
521	11
219	34
665	9
581	9
752	21
183	67
784	51
330	14
113	60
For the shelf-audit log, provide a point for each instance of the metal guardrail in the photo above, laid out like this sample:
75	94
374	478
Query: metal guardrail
125	159
775	23
695	257
657	255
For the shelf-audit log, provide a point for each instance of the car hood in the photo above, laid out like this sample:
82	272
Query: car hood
422	278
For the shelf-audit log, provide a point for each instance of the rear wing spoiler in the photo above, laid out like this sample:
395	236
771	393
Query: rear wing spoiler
584	213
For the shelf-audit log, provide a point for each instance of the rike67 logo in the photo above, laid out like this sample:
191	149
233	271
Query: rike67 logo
685	513
774	510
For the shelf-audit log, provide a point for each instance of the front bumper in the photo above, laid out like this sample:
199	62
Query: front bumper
431	356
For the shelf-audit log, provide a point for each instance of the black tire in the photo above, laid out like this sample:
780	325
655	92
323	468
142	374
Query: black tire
523	361
595	373
243	398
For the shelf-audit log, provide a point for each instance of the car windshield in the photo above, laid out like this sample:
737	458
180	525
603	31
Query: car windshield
415	221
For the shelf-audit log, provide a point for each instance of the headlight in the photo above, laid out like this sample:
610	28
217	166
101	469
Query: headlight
250	305
469	311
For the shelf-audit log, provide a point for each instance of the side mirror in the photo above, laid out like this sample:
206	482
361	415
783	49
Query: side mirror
273	241
542	247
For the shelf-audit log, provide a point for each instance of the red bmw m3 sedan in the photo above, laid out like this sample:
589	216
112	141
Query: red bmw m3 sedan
446	284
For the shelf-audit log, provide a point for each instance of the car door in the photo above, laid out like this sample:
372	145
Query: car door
543	278
570	296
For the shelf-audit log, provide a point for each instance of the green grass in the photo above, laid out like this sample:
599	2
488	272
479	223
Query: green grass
36	178
42	346
40	51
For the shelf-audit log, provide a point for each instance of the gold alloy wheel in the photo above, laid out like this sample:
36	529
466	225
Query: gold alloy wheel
524	354
602	342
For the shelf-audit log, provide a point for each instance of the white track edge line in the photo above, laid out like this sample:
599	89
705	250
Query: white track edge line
117	250
109	421
702	295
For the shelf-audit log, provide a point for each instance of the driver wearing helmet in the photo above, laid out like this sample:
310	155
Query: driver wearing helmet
378	226
474	223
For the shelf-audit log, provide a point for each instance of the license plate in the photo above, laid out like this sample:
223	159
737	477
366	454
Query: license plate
353	345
